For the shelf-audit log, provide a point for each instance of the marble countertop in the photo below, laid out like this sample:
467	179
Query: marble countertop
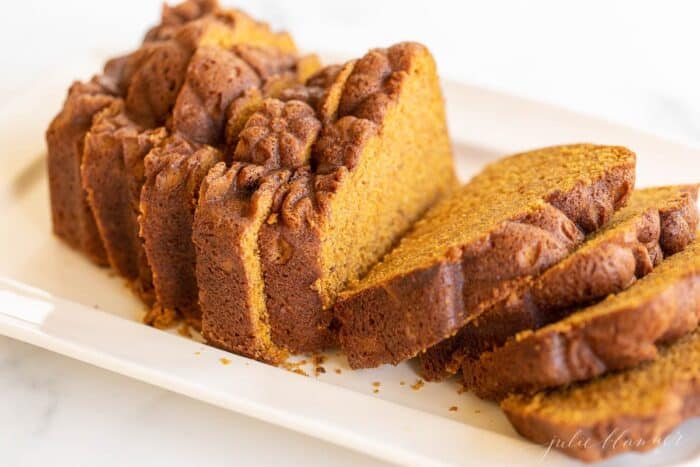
618	60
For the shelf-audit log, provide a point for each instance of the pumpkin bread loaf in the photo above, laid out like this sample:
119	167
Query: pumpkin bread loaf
656	222
632	410
518	217
183	84
617	333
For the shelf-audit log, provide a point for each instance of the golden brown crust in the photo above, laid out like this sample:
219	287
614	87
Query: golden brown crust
627	249
618	333
375	80
278	135
215	78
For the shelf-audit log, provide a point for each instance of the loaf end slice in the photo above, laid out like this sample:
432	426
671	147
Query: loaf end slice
72	219
634	410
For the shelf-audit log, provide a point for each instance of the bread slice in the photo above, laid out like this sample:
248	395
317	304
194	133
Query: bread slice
634	410
174	173
233	204
519	216
656	222
617	333
376	170
72	219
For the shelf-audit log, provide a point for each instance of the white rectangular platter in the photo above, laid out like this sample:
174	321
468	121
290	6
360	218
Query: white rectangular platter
52	297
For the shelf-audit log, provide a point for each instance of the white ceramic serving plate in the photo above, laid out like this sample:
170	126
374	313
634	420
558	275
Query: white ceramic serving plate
52	297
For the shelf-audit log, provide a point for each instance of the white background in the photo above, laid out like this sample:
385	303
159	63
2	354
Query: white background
627	61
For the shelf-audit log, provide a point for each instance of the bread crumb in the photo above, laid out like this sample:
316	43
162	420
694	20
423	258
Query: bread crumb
319	360
198	353
418	385
160	318
402	383
294	367
477	411
453	408
319	370
338	370
461	389
376	391
184	330
225	361
376	384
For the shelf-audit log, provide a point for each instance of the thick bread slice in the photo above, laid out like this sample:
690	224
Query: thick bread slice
516	218
72	219
617	333
630	411
377	169
233	203
174	173
656	222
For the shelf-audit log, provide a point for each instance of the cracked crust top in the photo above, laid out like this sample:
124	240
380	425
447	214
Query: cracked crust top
279	135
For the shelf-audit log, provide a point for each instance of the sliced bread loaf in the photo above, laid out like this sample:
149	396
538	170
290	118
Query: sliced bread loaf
656	222
518	217
629	411
617	333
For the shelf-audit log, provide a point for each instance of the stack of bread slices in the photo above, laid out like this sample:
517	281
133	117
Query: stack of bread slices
553	287
282	206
